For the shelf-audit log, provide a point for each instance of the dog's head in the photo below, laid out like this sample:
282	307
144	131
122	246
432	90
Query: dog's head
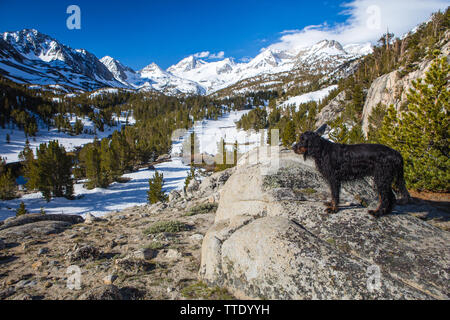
309	144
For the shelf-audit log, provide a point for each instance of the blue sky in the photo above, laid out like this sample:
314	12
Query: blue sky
140	32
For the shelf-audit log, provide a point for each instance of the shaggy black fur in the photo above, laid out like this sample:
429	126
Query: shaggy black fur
341	162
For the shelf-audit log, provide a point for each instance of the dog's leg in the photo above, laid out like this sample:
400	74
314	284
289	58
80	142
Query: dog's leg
400	185
387	198
335	187
389	202
376	212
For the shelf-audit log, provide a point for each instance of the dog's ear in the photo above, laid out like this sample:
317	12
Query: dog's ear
322	129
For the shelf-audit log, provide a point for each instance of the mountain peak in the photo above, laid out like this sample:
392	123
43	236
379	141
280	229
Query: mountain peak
152	67
108	59
186	64
331	47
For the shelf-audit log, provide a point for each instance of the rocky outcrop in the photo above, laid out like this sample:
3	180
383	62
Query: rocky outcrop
272	239
37	225
392	88
37	229
32	218
332	110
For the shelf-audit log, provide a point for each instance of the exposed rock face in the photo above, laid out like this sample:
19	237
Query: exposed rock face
332	110
31	218
392	88
210	185
272	239
34	229
37	225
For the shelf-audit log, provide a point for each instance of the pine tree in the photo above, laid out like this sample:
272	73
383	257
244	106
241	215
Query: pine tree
356	135
92	165
421	133
50	172
8	138
120	146
376	122
22	210
27	157
289	135
7	183
78	127
155	192
339	132
109	165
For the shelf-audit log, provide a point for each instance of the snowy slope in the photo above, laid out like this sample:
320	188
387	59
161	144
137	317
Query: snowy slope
119	196
152	76
307	97
325	56
28	56
11	150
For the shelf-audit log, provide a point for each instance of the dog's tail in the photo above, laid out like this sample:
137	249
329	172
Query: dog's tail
403	196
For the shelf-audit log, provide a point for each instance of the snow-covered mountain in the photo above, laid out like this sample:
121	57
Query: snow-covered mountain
152	76
185	65
120	72
29	56
323	57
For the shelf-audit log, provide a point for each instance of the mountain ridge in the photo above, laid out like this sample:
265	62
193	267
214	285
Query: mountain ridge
28	56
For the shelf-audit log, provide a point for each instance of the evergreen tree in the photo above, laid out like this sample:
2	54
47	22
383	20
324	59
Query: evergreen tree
122	150
109	165
289	136
376	122
8	138
7	183
421	132
50	172
356	135
22	210
339	132
27	157
78	127
92	165
155	192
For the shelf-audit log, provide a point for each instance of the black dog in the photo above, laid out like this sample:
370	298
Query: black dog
341	162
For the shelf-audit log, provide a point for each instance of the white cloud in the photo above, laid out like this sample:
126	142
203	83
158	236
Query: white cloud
209	55
218	55
203	54
367	21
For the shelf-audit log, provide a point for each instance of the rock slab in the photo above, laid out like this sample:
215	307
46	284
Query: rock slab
272	240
